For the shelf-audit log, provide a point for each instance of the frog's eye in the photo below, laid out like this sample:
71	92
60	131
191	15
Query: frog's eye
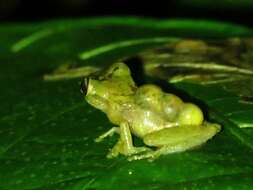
117	70
84	85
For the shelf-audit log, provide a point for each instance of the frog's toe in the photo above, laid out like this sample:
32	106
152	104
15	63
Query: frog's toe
137	150
112	154
98	139
151	156
116	150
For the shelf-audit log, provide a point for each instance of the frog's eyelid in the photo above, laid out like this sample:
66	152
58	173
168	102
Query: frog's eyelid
115	69
109	75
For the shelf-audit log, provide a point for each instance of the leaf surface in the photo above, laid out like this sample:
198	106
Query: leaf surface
47	130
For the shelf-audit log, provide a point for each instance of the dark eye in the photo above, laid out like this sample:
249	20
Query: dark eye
84	85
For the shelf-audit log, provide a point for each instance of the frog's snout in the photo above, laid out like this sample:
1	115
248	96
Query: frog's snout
84	86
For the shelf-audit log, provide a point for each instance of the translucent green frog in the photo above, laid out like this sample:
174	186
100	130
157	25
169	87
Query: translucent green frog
162	120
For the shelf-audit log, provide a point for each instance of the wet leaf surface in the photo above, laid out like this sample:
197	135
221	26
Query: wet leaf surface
47	130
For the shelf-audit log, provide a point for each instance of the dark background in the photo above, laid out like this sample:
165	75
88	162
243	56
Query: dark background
236	11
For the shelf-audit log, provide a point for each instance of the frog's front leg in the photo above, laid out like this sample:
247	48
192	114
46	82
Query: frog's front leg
110	132
125	143
177	139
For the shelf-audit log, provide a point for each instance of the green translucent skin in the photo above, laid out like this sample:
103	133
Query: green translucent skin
161	119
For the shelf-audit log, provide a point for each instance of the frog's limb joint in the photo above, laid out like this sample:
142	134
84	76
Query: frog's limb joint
110	132
125	144
116	150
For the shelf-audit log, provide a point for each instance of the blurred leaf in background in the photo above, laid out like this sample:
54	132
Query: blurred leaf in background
223	10
222	4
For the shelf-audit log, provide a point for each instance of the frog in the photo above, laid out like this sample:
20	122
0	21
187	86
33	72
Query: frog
163	121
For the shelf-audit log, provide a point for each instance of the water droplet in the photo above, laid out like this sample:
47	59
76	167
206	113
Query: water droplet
32	175
46	153
23	153
80	163
85	119
233	159
70	145
210	182
89	111
42	166
100	127
30	108
54	162
45	163
27	159
63	150
7	162
30	118
25	145
60	175
19	181
53	124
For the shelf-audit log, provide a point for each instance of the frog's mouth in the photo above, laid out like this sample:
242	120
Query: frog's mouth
84	86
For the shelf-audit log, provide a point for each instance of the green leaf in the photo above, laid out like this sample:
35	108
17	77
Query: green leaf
47	130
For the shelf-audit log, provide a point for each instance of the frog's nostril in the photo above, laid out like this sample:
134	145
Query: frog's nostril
84	86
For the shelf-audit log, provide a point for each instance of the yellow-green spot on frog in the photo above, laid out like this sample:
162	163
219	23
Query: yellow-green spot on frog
162	120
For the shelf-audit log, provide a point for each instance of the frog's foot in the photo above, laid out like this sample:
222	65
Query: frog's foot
150	155
137	150
119	148
107	133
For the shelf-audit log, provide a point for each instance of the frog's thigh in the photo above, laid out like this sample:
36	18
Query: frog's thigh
178	139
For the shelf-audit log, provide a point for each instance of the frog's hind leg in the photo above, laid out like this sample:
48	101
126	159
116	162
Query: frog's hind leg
166	149
152	155
110	132
177	139
125	144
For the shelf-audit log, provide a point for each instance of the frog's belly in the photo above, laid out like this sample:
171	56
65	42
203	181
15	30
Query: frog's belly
145	123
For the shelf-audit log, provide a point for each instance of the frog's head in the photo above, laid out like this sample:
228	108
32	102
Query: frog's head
114	84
